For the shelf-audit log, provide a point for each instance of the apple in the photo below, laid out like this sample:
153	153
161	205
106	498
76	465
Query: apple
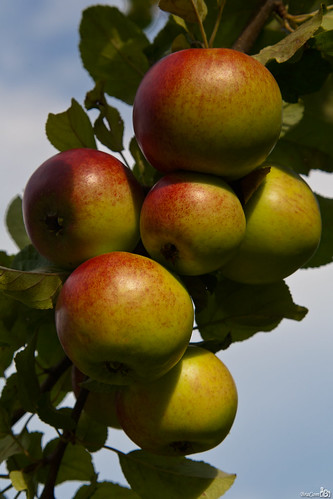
81	203
214	110
190	409
283	230
100	406
191	222
122	317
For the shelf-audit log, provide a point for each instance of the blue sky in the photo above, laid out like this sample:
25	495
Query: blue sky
281	442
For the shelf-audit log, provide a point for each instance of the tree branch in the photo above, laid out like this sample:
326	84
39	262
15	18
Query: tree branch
251	32
56	458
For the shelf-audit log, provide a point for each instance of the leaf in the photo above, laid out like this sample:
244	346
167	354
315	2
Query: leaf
23	481
90	433
105	490
324	253
8	447
76	464
5	427
28	386
288	46
179	478
111	48
58	418
235	311
292	115
146	174
35	289
29	259
15	223
324	42
189	10
109	126
70	129
141	12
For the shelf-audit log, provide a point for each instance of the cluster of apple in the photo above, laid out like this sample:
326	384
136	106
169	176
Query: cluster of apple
206	120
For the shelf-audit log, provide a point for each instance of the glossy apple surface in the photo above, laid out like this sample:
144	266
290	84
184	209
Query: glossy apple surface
100	406
190	409
191	222
122	317
283	230
209	110
81	203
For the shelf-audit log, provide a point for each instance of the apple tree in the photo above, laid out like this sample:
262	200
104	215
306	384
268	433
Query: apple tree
294	42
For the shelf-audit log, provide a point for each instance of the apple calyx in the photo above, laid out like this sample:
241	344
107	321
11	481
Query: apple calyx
183	447
170	252
118	368
54	223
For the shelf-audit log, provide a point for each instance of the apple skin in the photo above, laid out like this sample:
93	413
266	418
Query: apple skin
122	317
283	230
190	409
100	406
81	203
191	222
212	110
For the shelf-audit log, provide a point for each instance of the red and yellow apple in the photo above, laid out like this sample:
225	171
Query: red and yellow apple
81	203
122	317
191	222
190	409
283	229
212	110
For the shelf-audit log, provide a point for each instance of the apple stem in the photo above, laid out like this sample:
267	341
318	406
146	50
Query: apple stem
217	23
201	27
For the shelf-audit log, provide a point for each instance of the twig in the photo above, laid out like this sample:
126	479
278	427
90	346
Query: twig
247	38
56	458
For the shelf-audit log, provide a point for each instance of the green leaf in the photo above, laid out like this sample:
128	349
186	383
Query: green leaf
109	126
324	42
179	478
28	386
58	418
235	311
189	10
105	490
91	433
292	115
15	223
23	481
146	174
8	447
76	464
35	289
5	427
162	43
70	129
140	12
324	253
29	259
111	48
288	46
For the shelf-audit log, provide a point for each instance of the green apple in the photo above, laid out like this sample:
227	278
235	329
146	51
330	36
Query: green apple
212	110
81	203
190	409
191	222
100	406
122	317
283	230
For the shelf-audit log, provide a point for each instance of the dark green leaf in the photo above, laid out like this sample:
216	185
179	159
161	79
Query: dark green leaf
28	386
288	46
76	463
146	174
30	450
8	447
105	490
189	10
305	76
5	427
58	418
23	481
35	289
29	259
111	49
162	43
292	115
324	253
179	478
15	223
324	42
91	433
70	129
235	311
140	12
